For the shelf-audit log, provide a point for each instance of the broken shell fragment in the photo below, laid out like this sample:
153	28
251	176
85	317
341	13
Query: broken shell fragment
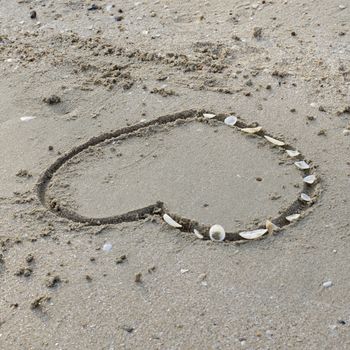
292	217
198	235
292	153
305	197
310	179
253	234
302	165
270	226
170	221
231	120
209	115
274	141
252	130
217	233
27	119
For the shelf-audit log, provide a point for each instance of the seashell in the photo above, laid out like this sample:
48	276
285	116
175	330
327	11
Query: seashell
305	197
292	153
310	179
209	115
302	165
292	217
231	120
274	141
107	247
252	130
217	233
198	235
253	234
27	119
270	226
170	221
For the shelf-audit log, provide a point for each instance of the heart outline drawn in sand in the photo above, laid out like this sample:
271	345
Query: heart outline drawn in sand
159	208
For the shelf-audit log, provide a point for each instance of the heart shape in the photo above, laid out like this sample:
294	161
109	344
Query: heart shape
159	207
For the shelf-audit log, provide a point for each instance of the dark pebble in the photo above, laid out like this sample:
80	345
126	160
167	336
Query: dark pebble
33	14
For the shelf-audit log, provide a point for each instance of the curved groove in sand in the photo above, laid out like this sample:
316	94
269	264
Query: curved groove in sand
159	208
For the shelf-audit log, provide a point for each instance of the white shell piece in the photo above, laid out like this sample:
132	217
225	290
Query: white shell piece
302	165
170	221
292	153
209	115
253	234
231	120
198	235
274	141
310	179
293	217
27	119
107	247
327	284
305	197
217	233
270	226
252	130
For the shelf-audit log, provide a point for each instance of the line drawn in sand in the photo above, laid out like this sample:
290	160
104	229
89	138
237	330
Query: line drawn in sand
292	213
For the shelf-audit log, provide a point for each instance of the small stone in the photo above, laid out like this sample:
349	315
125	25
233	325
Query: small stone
88	278
93	7
121	259
32	14
118	18
321	109
293	33
257	32
50	148
52	100
29	258
138	277
53	282
346	132
322	132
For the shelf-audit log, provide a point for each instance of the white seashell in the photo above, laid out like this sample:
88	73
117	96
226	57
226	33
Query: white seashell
310	179
198	235
327	284
302	165
27	119
231	120
170	221
274	141
209	115
217	233
252	130
270	226
292	153
107	247
253	234
293	217
305	197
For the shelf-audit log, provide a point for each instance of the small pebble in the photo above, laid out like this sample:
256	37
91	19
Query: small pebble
32	14
138	277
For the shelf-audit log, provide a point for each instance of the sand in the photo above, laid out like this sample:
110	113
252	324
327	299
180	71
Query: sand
83	71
